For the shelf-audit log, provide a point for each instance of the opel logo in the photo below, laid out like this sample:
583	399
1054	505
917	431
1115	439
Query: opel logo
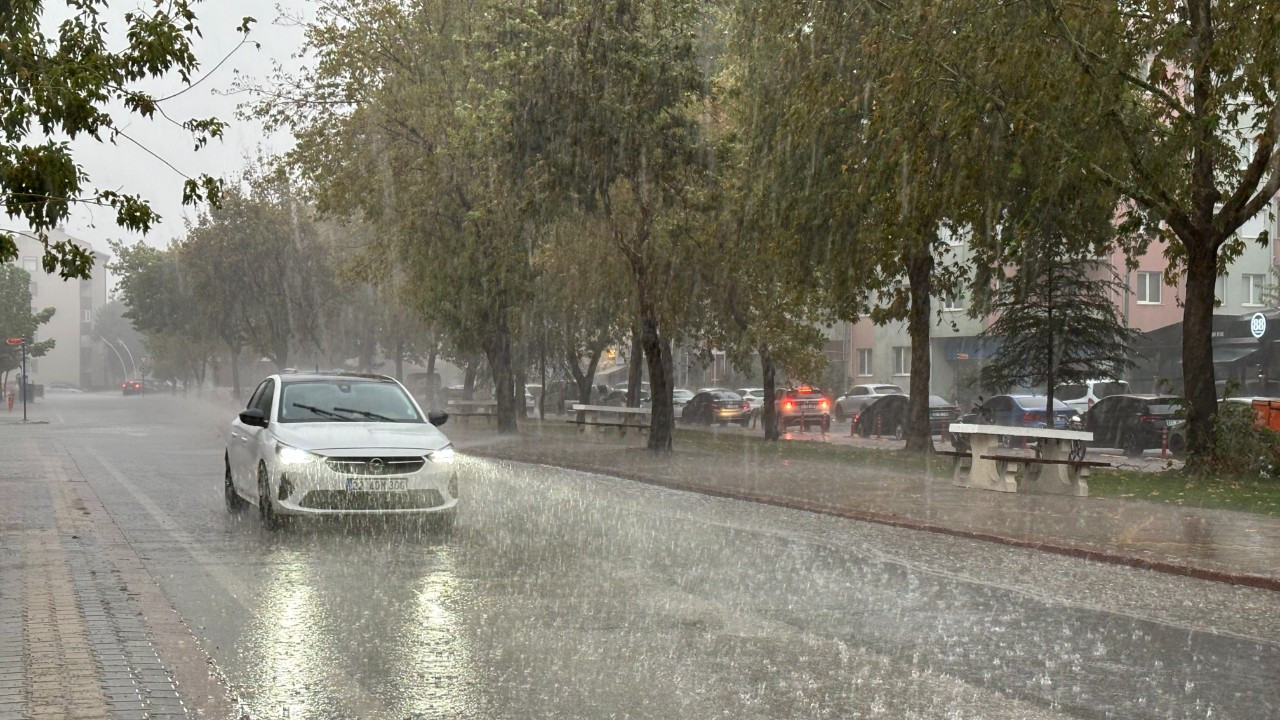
375	466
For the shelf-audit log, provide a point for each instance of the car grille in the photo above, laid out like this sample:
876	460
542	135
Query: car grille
376	465
370	500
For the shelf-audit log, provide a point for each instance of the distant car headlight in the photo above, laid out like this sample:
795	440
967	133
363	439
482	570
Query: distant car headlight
293	456
444	455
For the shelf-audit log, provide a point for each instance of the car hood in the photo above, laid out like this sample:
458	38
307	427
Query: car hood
331	436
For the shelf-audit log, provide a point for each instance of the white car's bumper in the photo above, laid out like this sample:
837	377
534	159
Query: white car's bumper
365	484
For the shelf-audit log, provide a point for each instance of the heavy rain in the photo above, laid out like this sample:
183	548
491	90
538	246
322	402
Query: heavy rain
416	359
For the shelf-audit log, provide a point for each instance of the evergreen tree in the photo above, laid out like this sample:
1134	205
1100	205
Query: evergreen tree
1056	322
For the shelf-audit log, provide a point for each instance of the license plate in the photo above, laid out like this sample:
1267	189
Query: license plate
377	484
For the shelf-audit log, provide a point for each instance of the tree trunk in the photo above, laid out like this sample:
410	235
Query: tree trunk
497	350
469	379
657	353
235	372
400	360
1198	379
583	380
769	408
635	371
920	275
431	374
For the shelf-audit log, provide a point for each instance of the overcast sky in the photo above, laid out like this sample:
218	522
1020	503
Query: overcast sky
126	167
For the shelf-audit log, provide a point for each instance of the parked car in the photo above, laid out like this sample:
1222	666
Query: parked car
133	387
804	406
1133	422
62	387
1082	396
1027	411
339	445
1178	431
888	415
618	398
860	396
720	406
753	396
679	398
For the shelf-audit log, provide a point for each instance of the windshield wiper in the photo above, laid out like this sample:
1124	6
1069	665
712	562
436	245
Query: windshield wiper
366	413
322	411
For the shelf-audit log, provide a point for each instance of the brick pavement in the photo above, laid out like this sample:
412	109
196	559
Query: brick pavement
85	632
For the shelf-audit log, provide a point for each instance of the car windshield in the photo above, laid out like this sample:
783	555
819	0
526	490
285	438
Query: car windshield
338	401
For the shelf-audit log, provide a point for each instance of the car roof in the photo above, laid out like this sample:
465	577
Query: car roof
291	378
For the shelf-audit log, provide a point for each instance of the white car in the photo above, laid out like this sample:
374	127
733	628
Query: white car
339	444
859	397
753	396
1080	397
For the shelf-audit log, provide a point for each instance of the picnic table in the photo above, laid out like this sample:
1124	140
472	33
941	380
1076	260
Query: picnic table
1051	470
487	409
606	416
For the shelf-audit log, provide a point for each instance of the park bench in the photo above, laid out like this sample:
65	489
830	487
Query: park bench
1051	471
467	409
611	416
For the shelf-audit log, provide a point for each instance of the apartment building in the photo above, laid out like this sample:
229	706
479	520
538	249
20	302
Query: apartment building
1148	303
77	357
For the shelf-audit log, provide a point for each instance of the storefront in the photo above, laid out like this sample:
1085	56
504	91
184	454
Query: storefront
1245	356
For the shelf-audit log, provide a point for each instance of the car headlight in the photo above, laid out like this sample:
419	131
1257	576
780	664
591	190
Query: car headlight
293	456
444	455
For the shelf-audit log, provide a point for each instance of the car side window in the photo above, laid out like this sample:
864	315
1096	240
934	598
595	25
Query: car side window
257	393
859	391
264	397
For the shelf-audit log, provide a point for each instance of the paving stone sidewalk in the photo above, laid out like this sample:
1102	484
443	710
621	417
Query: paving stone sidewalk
85	632
1235	547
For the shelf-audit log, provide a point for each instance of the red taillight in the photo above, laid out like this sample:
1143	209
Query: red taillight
124	385
1030	417
746	406
788	405
805	389
824	405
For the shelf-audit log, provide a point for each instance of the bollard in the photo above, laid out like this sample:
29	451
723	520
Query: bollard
1164	442
877	426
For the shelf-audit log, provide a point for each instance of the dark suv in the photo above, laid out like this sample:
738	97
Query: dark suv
1132	422
804	406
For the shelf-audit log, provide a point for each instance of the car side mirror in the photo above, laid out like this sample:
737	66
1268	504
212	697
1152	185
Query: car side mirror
437	417
254	417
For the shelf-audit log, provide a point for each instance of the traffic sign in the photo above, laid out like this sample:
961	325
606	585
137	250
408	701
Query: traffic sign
1257	326
14	341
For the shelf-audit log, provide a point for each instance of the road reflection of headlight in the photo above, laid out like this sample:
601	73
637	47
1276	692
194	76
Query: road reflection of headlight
444	455
294	456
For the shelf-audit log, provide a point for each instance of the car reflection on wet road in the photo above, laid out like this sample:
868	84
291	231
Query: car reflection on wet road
564	594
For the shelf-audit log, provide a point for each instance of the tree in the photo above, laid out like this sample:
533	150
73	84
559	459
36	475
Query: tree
1056	322
66	86
1181	103
17	320
394	125
602	99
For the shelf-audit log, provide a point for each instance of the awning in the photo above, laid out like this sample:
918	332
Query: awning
1232	353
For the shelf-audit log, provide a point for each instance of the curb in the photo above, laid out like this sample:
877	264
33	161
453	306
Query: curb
1262	582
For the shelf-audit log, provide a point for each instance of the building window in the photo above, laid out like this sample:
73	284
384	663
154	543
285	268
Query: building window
1149	288
87	315
1220	290
30	264
864	362
902	360
953	304
1253	289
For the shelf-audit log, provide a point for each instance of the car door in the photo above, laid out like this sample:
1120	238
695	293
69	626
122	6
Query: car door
238	443
252	439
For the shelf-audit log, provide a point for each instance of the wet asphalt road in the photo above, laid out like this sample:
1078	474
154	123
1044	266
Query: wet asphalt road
575	596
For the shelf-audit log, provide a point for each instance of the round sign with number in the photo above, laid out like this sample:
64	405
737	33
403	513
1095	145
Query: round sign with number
1258	325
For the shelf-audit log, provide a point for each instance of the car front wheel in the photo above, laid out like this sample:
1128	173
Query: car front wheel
271	520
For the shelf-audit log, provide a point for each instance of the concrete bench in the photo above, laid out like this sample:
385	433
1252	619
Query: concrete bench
611	416
1052	471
